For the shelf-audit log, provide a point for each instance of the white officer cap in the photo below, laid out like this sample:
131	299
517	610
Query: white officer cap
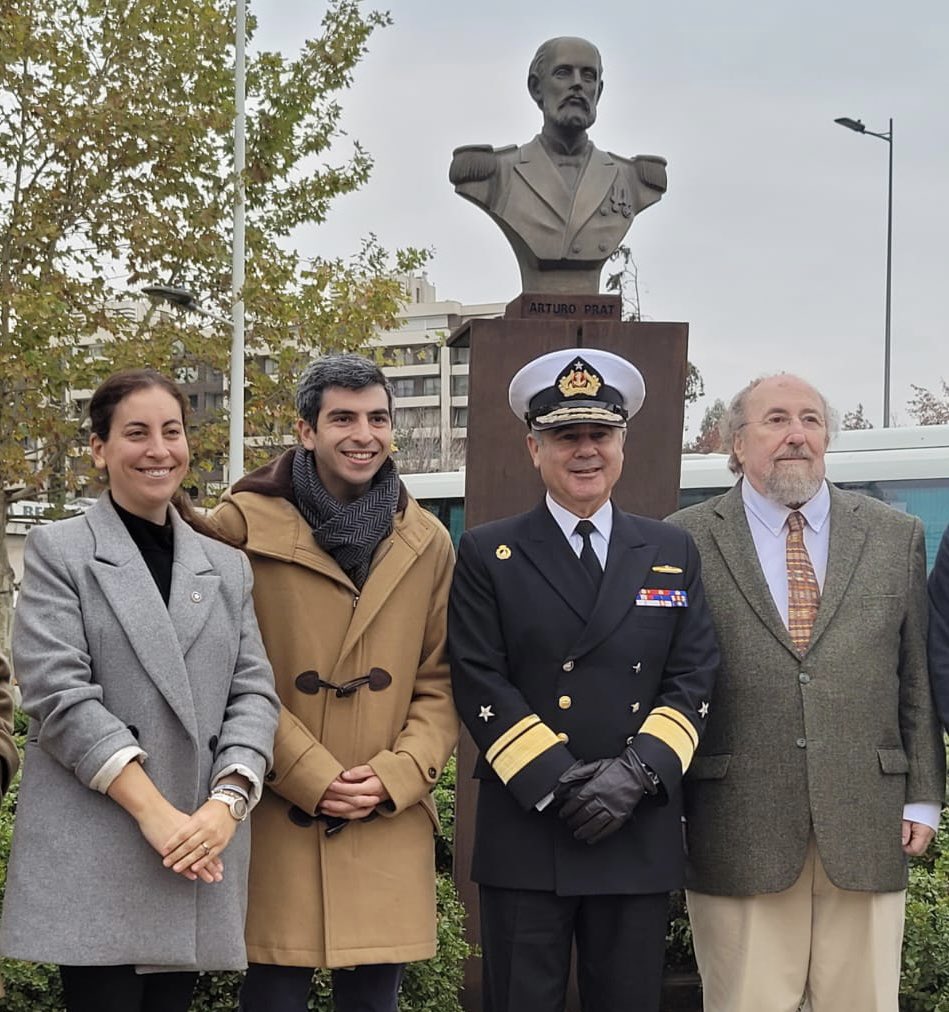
577	385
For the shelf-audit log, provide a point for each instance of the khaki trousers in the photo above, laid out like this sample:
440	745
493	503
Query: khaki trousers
837	948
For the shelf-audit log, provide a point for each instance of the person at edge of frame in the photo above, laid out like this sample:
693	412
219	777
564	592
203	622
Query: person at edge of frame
152	717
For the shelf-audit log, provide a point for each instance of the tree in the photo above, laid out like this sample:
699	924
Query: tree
116	171
709	438
855	420
928	408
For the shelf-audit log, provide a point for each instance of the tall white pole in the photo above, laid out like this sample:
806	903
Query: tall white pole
236	384
889	260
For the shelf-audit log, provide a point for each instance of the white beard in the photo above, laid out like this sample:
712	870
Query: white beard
792	486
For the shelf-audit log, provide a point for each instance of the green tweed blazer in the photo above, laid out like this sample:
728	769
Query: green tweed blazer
837	740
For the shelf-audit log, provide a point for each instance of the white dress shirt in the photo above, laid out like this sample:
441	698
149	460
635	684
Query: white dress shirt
602	522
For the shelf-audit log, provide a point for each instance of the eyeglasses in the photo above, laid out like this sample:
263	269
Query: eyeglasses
781	421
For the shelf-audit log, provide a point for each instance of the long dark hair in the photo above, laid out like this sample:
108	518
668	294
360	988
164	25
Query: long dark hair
109	395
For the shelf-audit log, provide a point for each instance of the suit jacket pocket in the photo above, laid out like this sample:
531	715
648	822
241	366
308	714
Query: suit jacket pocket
893	760
709	767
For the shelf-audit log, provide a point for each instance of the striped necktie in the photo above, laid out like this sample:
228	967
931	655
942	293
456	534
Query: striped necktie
803	590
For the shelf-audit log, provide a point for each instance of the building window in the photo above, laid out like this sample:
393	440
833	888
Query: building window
431	387
459	386
410	354
418	418
459	418
459	356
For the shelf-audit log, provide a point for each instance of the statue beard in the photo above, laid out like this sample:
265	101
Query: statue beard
794	486
574	116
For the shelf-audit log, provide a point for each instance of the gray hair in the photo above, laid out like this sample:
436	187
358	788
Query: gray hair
736	417
351	372
542	55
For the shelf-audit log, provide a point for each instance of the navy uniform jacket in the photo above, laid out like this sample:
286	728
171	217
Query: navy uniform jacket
543	676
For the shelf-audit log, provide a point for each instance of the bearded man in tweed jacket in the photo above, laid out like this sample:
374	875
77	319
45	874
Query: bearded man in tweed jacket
822	740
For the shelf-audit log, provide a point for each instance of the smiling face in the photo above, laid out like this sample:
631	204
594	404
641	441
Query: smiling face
781	444
579	464
351	439
569	84
146	452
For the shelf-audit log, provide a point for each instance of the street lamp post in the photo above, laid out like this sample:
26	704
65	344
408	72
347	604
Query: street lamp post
186	300
857	126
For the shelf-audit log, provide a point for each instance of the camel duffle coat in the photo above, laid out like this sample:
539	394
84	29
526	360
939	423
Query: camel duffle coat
364	894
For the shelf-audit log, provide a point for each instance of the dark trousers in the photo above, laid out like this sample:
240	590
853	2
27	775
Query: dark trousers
527	935
372	988
121	989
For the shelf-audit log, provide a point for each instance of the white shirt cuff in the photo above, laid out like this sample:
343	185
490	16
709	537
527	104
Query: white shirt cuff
114	765
255	784
544	801
926	812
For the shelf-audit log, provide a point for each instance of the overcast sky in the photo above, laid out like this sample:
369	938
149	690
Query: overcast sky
771	240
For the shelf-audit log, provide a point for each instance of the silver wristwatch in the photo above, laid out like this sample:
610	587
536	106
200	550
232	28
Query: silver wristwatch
238	805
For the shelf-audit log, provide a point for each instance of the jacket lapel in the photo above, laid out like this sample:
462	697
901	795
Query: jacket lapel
541	175
592	188
548	551
130	591
733	538
627	567
848	532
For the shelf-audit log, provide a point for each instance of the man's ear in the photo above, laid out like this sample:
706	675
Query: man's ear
306	434
533	87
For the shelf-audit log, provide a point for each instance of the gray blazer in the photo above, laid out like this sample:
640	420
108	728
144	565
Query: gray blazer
103	664
840	738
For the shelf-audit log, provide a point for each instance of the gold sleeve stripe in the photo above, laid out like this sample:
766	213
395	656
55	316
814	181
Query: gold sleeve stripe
672	728
524	750
510	734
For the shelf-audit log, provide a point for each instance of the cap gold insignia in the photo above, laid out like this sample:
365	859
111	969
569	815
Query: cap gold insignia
666	569
502	552
579	380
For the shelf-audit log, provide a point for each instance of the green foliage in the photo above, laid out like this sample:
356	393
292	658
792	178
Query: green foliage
429	986
116	172
924	986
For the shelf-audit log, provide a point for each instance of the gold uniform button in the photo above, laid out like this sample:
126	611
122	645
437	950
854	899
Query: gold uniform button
564	737
568	665
565	702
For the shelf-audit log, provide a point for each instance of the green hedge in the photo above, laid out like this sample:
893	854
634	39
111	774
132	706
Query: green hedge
429	986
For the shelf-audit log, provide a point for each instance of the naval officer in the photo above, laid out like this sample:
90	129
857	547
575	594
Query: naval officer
583	658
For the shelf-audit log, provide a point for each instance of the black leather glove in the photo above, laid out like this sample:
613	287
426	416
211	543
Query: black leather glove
575	777
603	804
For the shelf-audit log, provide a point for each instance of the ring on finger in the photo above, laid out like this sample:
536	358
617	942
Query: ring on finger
206	849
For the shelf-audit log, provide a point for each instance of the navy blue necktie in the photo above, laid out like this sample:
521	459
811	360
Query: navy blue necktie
588	557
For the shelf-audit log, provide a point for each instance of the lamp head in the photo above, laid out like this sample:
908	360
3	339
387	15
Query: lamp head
851	124
176	296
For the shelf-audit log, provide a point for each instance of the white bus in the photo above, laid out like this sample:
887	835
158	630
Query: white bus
908	468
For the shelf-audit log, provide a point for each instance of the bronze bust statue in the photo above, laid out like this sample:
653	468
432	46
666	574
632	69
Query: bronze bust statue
563	204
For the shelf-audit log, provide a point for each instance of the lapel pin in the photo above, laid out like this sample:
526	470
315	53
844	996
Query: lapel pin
502	552
196	596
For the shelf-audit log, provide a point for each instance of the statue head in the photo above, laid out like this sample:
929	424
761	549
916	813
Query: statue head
565	80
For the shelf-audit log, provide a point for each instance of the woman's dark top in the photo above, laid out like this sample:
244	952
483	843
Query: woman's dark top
156	542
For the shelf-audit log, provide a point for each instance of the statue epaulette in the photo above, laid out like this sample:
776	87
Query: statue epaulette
472	163
652	171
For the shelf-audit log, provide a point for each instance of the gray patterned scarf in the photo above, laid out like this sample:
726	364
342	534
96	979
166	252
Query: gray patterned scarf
350	532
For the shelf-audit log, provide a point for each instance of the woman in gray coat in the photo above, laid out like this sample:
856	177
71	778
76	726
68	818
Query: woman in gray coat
152	719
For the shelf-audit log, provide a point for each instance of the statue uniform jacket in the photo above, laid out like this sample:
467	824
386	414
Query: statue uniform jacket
544	676
522	189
